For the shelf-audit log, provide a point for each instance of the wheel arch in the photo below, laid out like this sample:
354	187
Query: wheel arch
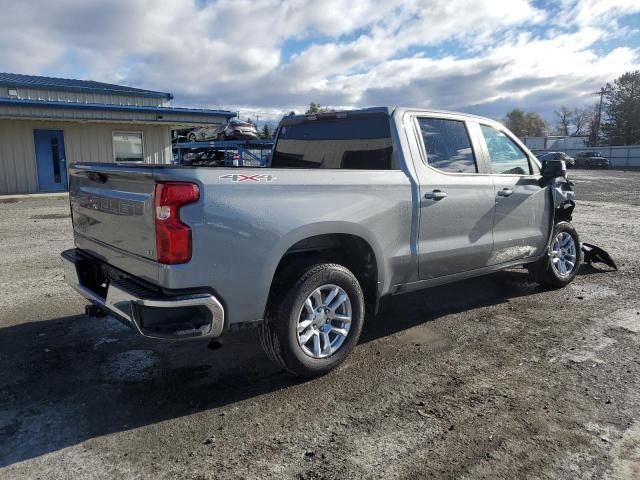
331	242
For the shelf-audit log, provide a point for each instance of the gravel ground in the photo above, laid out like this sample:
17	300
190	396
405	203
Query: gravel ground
488	378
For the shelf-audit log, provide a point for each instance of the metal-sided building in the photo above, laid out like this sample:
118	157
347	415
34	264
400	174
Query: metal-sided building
47	123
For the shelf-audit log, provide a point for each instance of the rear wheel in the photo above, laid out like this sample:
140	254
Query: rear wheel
313	323
560	266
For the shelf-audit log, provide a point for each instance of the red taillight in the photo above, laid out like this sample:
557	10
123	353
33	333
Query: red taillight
173	238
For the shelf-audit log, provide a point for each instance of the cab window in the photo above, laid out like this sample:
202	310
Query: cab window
359	142
447	145
505	156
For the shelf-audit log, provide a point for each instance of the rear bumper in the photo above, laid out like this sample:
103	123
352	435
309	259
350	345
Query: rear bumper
151	313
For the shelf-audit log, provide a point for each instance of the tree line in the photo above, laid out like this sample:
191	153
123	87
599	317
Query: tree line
576	122
615	121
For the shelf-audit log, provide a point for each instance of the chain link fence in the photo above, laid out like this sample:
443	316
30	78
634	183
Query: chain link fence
627	157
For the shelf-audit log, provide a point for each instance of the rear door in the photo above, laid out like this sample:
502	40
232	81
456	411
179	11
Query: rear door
523	207
456	196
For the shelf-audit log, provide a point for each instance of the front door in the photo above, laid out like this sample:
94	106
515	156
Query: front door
50	157
457	199
523	207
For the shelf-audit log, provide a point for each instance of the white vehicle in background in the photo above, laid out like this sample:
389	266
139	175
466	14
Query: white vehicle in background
203	134
233	130
239	130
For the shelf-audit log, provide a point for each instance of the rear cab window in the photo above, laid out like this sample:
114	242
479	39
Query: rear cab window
340	141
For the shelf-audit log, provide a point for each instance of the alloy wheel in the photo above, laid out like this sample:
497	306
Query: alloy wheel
563	254
324	321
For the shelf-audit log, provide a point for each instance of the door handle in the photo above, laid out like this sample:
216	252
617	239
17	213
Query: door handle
505	192
435	195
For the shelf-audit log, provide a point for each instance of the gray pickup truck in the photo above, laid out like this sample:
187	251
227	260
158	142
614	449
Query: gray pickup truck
353	206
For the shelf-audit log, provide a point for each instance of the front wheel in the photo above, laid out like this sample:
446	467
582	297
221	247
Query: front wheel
560	266
314	323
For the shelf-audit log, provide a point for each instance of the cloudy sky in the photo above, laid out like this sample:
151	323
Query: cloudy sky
272	56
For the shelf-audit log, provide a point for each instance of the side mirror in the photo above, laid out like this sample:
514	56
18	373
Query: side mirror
553	169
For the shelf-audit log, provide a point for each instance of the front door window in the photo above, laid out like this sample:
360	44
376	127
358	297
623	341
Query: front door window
505	156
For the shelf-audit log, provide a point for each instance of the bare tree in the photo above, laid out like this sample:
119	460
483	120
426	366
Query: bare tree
565	119
582	118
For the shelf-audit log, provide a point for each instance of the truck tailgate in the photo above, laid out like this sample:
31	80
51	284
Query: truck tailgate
112	208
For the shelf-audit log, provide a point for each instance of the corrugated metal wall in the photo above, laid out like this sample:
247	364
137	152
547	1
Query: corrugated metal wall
43	112
83	142
80	97
17	158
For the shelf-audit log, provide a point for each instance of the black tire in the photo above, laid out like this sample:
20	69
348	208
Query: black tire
278	332
543	271
192	137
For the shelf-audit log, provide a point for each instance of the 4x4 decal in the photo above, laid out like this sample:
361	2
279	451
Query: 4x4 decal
240	177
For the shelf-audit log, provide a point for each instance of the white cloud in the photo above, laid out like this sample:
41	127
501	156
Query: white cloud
596	12
484	55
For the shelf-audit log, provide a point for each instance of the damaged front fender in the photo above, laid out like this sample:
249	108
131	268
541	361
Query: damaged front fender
564	202
564	199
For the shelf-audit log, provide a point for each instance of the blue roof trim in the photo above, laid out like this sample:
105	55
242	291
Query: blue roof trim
73	85
16	102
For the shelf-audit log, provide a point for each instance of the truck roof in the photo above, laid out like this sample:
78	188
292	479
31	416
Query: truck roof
388	110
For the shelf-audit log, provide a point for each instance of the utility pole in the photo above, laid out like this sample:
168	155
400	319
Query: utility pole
601	93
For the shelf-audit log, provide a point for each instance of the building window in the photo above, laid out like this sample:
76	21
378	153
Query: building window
13	92
127	147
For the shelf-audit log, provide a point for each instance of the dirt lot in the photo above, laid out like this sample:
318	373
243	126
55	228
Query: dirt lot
490	378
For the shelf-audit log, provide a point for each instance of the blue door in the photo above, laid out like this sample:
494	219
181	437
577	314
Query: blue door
52	167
